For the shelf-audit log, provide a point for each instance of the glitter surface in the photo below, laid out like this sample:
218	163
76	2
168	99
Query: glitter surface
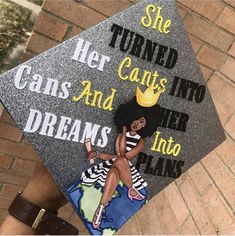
66	160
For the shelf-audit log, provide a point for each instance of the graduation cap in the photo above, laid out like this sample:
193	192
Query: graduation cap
129	88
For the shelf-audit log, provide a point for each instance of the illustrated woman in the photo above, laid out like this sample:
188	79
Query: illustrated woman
135	120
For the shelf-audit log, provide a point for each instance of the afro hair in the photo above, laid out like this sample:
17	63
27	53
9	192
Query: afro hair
131	111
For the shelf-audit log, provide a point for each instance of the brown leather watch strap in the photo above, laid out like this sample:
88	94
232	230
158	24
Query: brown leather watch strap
43	221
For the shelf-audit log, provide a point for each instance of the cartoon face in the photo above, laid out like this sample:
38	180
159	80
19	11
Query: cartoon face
138	124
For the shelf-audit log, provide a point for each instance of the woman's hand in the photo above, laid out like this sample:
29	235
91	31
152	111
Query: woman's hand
124	129
91	155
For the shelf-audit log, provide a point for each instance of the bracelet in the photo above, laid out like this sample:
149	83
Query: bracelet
97	155
40	219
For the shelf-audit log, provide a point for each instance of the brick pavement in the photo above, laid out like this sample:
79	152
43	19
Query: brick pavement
202	200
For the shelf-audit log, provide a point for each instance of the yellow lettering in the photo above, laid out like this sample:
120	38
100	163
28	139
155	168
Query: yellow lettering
162	146
107	105
147	75
86	92
146	21
145	78
155	142
165	146
176	150
155	76
157	23
163	84
166	26
134	75
127	61
97	99
170	141
158	18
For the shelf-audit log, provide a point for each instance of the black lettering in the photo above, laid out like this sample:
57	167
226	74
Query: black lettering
178	168
169	168
200	94
117	30
175	82
138	43
144	48
194	87
160	55
124	39
183	122
173	119
149	50
142	158
183	89
165	115
149	169
159	167
172	58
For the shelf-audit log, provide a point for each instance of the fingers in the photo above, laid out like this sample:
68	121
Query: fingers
91	155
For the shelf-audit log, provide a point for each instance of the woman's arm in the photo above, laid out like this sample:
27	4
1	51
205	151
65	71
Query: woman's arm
102	156
122	146
136	150
105	156
118	145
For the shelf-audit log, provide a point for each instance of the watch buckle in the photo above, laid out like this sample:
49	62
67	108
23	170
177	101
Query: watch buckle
38	218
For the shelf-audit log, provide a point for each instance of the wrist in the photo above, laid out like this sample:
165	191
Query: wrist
44	221
45	196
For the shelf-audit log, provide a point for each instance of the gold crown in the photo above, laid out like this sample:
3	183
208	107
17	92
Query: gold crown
148	98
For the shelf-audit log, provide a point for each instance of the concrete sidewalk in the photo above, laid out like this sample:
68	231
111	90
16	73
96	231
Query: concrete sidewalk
31	6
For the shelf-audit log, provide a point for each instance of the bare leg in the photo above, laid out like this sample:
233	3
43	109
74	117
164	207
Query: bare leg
42	191
124	170
125	173
111	183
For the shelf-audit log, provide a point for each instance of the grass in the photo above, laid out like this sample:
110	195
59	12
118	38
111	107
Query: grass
13	19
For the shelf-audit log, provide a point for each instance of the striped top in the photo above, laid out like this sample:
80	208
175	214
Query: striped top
99	172
131	140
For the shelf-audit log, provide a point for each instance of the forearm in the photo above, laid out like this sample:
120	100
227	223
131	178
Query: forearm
41	191
13	226
123	143
136	150
106	157
128	157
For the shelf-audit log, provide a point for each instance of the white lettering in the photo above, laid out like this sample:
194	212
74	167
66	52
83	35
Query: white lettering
48	124
34	121
63	126
104	132
19	74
